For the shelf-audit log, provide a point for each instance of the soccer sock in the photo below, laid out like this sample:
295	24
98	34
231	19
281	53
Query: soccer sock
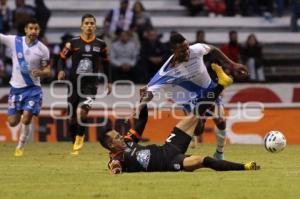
73	128
25	131
222	165
220	138
81	128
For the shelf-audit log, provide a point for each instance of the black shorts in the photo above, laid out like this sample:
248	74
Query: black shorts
175	148
85	99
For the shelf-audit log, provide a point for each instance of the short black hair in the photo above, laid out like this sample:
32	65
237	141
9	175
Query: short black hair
87	15
32	21
102	138
175	39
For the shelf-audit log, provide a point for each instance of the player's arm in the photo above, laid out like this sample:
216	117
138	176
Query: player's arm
105	62
136	133
45	70
64	54
227	62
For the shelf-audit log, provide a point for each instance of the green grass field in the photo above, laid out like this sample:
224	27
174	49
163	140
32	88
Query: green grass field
48	171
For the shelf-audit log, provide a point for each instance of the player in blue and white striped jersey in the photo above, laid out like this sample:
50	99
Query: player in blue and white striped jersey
30	60
185	78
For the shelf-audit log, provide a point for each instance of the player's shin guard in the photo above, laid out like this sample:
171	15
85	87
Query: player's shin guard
24	135
222	165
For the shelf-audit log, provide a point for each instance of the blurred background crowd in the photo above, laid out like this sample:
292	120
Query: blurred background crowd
138	47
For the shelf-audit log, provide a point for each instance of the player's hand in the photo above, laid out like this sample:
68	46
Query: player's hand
143	91
61	75
36	73
108	89
240	71
115	167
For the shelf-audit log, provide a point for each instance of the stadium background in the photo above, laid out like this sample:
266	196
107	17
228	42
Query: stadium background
279	91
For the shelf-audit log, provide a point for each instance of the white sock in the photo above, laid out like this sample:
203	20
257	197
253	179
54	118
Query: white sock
221	139
25	131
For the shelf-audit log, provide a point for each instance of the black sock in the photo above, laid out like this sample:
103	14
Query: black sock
73	128
81	128
222	165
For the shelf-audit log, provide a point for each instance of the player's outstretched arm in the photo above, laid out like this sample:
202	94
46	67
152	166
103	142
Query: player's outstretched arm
227	62
136	133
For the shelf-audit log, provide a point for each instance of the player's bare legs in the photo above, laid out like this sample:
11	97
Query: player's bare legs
14	120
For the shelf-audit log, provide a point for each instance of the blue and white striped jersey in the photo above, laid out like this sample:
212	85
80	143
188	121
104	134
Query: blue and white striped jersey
25	58
185	81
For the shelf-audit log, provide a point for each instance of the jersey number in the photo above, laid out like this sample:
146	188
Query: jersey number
169	139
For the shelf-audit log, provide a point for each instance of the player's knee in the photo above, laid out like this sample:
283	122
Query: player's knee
221	124
13	122
26	120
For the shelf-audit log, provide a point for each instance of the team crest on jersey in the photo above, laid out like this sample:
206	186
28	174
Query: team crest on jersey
96	49
87	48
20	55
176	166
31	103
143	157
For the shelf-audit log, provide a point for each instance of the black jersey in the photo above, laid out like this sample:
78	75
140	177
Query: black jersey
143	158
88	57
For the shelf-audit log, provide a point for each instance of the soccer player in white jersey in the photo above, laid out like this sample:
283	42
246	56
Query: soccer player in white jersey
185	78
30	62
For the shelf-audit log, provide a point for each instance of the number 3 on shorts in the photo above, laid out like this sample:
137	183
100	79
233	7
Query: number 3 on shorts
169	139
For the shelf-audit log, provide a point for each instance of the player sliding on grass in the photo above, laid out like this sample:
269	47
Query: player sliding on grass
128	156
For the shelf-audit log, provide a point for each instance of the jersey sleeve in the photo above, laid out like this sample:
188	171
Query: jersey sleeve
201	49
66	52
45	60
7	40
104	53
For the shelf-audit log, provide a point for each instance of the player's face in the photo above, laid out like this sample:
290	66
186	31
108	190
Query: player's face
115	141
32	31
182	52
88	26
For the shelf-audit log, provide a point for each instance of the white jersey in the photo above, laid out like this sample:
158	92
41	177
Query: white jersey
24	59
185	81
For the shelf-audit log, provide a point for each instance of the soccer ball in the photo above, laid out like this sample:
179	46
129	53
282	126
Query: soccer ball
274	141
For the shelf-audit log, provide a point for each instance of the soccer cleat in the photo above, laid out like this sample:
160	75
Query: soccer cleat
78	144
75	152
223	78
19	152
219	156
251	166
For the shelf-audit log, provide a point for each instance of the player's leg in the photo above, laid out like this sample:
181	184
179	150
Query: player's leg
25	132
82	116
198	133
220	122
207	99
31	105
14	120
195	162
